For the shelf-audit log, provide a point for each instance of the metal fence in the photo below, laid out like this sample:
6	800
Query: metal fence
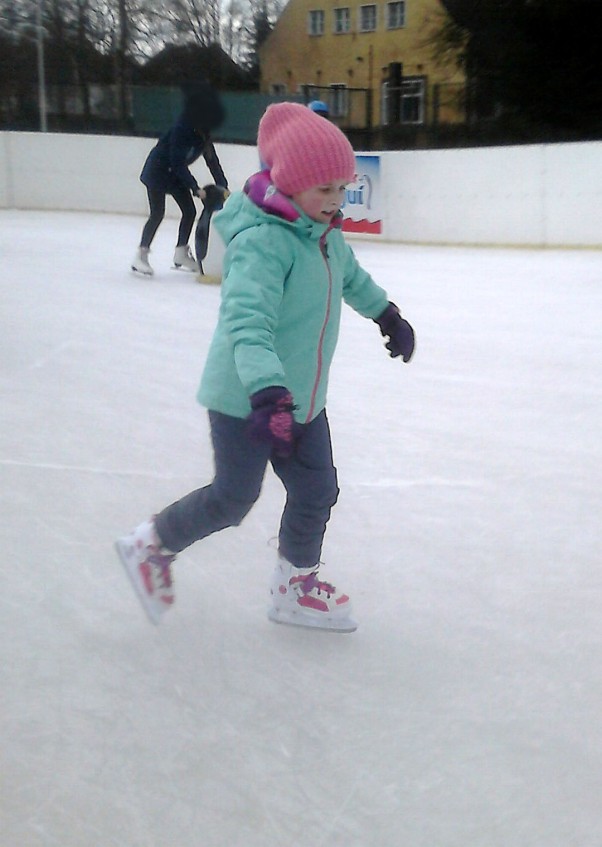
349	108
403	116
63	107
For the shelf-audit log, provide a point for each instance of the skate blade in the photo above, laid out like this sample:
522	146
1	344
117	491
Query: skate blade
153	614
185	270
142	273
308	622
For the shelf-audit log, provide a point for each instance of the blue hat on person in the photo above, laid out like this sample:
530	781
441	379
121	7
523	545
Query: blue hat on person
319	107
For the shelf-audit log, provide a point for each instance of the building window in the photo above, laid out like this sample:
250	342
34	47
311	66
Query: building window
396	14
278	89
342	20
368	18
339	100
309	92
412	100
405	105
315	22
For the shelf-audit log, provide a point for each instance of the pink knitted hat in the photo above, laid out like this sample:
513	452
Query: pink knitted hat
302	149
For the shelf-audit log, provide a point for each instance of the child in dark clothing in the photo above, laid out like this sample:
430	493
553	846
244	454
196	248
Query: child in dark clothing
166	171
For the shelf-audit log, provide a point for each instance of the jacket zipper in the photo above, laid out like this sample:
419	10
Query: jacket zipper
320	357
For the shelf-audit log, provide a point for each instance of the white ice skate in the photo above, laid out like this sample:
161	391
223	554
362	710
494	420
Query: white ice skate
148	566
301	598
184	260
140	262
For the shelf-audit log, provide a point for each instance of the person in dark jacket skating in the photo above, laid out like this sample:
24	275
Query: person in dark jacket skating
166	171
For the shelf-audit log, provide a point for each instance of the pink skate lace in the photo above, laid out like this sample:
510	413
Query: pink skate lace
311	581
162	564
156	573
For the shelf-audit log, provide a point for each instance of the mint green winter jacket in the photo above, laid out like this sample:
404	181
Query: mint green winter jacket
282	291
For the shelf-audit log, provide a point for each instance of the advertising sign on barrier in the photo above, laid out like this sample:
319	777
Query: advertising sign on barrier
362	210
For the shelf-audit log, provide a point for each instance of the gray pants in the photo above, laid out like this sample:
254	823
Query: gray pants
309	477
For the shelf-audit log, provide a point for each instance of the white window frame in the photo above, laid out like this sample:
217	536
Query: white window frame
398	4
412	88
315	22
384	100
341	23
361	23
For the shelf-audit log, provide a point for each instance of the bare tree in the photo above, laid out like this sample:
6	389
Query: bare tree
103	41
245	26
188	20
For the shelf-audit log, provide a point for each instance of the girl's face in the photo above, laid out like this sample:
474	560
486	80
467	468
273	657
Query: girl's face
321	202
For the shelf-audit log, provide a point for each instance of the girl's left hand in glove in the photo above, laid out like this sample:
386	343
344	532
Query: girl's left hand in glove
401	339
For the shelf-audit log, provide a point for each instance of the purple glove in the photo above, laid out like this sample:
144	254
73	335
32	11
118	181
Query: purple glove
398	331
272	421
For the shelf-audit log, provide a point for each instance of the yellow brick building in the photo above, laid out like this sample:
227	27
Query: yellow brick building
342	48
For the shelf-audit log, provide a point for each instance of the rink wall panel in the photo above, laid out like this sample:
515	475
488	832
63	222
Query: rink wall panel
542	195
94	173
573	194
476	195
6	188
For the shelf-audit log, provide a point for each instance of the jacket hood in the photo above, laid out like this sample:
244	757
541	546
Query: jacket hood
240	213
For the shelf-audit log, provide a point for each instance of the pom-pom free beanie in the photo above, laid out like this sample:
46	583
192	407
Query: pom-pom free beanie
302	149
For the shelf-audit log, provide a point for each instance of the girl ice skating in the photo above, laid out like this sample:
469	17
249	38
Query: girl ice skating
287	271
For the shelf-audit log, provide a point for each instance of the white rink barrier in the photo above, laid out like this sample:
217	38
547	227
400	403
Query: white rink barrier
98	173
533	195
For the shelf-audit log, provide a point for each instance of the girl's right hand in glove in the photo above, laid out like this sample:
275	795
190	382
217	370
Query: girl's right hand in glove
271	421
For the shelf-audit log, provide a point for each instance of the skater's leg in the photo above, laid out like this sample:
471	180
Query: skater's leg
183	258
156	202
183	197
300	597
310	480
239	470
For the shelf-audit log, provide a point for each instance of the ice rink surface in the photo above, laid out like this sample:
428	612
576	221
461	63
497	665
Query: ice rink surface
464	712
